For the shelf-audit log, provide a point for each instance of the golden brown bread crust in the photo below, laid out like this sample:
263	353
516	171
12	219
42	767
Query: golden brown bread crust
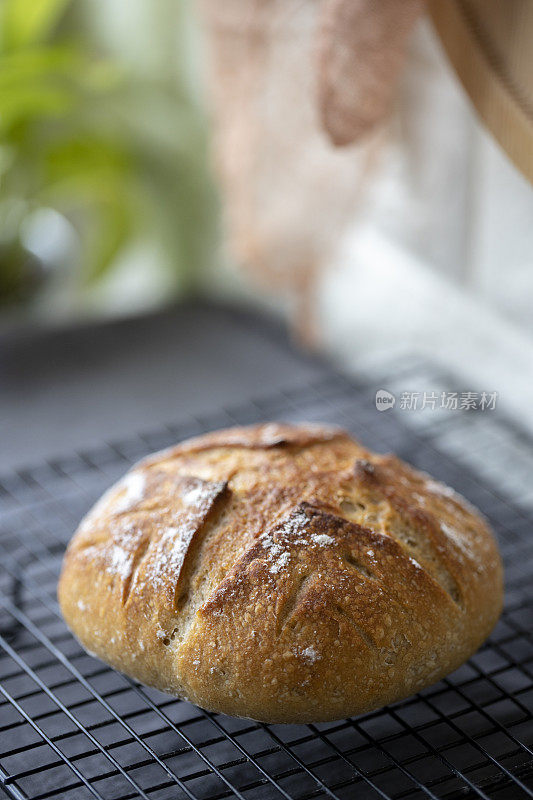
282	573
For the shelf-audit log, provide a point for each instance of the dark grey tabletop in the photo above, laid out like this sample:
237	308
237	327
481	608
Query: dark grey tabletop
69	389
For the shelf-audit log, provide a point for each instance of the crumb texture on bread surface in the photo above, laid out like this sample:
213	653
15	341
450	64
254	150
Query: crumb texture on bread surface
283	573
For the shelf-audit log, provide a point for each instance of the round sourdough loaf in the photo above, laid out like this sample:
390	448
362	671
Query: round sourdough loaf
283	573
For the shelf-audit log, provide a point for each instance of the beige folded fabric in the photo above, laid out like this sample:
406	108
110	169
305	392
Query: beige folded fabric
361	51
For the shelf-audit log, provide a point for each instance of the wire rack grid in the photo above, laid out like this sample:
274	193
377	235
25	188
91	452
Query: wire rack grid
72	728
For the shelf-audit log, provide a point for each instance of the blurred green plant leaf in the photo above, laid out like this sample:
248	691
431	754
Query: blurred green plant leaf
25	22
118	154
49	80
96	174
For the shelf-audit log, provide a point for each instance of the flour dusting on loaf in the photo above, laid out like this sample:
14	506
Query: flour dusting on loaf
283	573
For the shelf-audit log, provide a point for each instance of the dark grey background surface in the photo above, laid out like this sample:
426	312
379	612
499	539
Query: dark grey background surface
69	389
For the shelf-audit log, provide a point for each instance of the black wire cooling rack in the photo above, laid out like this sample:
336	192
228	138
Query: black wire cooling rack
70	727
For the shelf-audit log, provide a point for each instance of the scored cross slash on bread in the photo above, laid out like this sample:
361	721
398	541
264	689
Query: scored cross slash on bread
283	573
